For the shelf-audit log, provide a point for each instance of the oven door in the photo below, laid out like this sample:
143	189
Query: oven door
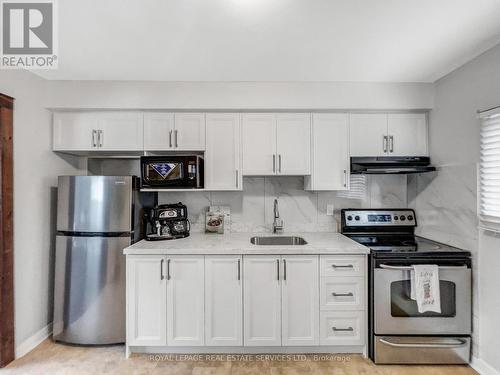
396	313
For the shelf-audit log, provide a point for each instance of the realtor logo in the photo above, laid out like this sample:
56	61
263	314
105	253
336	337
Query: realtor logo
28	34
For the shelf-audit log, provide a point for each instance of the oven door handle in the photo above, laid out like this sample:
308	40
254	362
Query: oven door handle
410	268
451	344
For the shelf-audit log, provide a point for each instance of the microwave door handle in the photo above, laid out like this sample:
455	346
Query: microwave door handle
450	344
410	268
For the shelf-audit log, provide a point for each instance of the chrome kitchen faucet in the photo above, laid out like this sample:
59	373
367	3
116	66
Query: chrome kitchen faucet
278	222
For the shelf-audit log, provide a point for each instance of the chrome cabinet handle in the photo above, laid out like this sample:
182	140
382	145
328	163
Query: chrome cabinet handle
176	138
342	266
94	132
161	269
170	138
391	143
342	294
239	270
451	344
168	269
279	162
274	163
100	137
348	329
284	269
278	269
384	143
237	178
345	178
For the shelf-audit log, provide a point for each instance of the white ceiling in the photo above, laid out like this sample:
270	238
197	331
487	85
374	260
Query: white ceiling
271	40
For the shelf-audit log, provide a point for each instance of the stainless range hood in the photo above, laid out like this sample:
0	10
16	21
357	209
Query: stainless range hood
391	165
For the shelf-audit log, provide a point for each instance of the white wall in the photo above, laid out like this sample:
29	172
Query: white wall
35	172
240	95
446	201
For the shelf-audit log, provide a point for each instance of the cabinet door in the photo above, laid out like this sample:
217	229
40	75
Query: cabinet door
189	132
293	148
222	155
146	300
258	139
407	134
185	297
75	131
300	300
121	131
223	301
330	152
368	132
158	131
262	300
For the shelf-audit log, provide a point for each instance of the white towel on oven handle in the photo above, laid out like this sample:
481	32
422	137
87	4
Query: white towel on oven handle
424	283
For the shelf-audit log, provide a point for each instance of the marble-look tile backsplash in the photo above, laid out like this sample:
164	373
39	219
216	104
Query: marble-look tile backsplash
252	208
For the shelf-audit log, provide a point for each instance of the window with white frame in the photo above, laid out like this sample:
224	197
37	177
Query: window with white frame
489	170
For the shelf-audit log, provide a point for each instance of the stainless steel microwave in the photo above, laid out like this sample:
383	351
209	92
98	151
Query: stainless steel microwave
174	172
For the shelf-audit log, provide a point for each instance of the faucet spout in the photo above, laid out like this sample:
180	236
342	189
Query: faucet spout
278	222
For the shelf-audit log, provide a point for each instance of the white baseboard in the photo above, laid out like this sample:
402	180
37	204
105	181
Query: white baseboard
32	342
482	367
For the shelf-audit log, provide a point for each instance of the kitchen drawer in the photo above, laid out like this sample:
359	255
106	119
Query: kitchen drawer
340	265
342	328
342	293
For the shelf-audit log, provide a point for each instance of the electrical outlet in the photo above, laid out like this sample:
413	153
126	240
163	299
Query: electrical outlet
329	210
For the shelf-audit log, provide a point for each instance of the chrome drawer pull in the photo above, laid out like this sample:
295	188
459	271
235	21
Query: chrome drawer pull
342	294
342	266
452	344
348	329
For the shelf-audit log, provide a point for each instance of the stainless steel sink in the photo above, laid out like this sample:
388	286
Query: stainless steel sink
278	241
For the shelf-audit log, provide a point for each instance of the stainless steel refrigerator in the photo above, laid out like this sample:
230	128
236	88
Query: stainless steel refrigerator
97	217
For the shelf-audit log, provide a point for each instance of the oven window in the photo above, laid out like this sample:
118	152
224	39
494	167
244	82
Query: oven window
162	172
403	306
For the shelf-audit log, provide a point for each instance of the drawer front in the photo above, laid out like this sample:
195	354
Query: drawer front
342	328
342	265
342	293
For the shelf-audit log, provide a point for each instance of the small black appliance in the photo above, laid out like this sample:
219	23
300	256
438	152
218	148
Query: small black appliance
172	172
167	222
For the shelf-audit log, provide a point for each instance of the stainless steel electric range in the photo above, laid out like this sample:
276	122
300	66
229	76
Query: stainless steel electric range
398	333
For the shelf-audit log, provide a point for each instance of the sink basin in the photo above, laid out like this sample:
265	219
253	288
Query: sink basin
278	241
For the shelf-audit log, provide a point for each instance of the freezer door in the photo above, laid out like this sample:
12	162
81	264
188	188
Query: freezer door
89	290
95	204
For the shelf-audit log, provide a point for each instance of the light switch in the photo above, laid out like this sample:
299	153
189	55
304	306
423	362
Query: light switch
329	210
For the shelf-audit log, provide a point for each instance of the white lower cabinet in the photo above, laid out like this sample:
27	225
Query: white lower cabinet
262	300
300	300
342	328
146	300
185	300
223	301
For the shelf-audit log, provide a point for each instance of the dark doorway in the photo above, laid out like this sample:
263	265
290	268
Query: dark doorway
6	233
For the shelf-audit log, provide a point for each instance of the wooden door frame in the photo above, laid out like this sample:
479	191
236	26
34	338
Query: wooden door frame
7	353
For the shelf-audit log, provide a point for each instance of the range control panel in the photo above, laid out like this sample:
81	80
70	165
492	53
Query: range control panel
370	218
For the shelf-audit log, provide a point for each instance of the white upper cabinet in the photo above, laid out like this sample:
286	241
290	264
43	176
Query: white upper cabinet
223	300
258	143
185	297
293	147
368	135
262	300
98	131
276	144
189	132
330	152
158	131
300	300
75	131
407	134
394	134
146	300
121	131
223	154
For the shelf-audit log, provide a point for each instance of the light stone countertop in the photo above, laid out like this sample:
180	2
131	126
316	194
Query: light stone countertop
239	244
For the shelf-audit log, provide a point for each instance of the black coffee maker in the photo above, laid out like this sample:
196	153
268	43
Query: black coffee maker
167	222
